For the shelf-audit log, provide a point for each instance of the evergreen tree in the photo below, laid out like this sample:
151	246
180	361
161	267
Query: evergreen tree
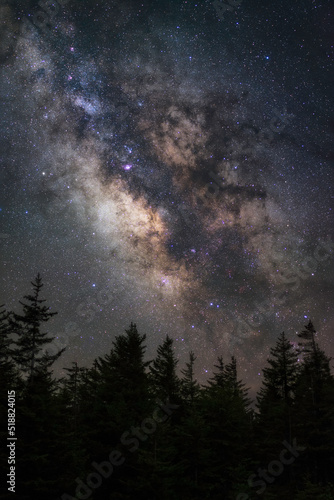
308	343
316	363
115	402
276	422
225	409
315	408
218	378
187	442
280	377
39	463
125	371
71	434
28	352
37	414
70	393
8	382
8	372
225	381
236	388
157	451
164	380
190	388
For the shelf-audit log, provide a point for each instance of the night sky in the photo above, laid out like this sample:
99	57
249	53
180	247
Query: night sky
170	164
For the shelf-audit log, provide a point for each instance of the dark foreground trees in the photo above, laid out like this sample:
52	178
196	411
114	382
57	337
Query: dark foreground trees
130	428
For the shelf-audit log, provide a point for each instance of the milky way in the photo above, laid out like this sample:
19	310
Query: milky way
164	166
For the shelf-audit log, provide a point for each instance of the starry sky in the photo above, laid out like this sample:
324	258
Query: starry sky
170	164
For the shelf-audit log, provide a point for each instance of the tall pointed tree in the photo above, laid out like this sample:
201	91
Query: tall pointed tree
316	363
190	438
117	386
308	343
190	388
72	438
126	366
164	379
8	382
37	411
235	387
8	373
280	377
275	422
114	405
218	378
225	380
29	353
70	393
225	409
315	407
158	454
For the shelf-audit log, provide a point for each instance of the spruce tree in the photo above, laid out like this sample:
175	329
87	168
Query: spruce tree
115	402
126	369
71	433
190	388
164	379
275	421
225	408
29	352
280	377
316	363
38	416
8	372
315	408
37	410
8	382
70	393
157	455
218	378
190	440
236	388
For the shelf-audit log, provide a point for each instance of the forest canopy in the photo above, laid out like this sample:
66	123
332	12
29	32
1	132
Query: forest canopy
128	428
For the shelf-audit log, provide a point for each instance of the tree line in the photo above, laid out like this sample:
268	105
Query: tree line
127	428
